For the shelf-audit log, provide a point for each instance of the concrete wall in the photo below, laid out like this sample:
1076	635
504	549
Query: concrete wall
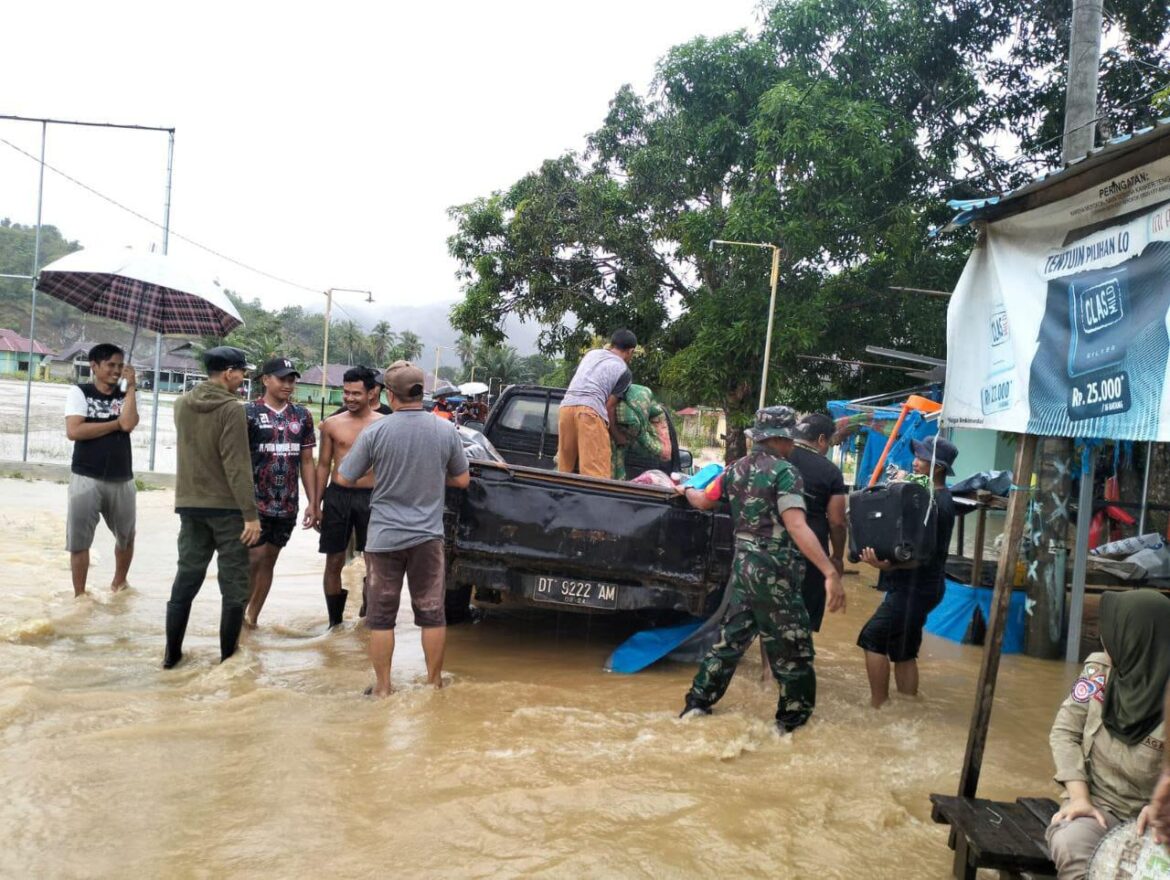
981	450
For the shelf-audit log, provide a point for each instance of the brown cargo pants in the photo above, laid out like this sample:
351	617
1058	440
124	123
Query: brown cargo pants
583	442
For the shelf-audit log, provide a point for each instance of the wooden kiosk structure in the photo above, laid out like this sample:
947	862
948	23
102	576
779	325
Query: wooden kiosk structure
1115	205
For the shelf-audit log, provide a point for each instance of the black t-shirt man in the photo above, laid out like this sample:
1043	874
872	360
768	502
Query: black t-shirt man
822	480
107	457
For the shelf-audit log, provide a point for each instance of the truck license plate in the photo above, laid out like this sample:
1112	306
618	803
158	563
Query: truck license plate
567	591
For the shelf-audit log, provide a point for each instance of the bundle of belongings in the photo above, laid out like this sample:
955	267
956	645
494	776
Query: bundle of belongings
1133	559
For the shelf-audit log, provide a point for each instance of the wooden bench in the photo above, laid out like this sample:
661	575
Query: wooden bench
997	835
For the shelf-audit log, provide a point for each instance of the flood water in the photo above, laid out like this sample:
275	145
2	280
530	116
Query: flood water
533	761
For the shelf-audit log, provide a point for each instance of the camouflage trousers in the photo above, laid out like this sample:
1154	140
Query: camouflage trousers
765	601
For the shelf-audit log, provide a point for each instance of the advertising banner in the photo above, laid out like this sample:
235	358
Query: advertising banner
1059	323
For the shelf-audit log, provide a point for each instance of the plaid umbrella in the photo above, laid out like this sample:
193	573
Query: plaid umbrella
152	291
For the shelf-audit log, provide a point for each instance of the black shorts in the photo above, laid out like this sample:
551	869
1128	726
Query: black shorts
896	626
276	530
345	512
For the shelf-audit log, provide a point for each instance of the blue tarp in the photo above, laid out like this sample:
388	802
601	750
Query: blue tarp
915	427
952	618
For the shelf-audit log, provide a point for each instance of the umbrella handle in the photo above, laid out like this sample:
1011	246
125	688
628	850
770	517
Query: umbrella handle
122	383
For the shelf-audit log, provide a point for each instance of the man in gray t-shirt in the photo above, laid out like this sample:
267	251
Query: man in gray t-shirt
587	415
414	456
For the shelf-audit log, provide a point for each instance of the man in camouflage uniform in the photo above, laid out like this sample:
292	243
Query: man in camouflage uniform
767	508
638	416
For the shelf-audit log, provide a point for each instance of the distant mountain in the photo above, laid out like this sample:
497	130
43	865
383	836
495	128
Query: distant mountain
431	324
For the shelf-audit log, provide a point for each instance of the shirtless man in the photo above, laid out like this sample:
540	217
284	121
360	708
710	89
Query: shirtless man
344	510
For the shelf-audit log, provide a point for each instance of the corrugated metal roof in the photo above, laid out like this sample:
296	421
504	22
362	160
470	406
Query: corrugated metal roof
1115	150
10	340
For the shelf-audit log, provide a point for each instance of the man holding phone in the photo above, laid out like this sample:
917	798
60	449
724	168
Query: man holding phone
99	416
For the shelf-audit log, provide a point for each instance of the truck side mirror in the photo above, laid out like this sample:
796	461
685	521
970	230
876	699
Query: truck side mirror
686	461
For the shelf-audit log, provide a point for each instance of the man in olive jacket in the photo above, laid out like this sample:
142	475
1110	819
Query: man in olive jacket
214	498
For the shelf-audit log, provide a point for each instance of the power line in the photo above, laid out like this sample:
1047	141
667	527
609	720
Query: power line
218	254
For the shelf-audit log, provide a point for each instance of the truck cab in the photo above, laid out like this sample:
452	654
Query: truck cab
523	427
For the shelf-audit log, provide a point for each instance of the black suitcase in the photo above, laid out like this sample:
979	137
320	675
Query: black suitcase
897	520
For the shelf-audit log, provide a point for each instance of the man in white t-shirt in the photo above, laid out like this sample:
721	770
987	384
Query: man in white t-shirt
99	417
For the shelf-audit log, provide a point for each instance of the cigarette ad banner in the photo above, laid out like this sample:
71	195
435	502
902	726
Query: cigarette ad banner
1060	323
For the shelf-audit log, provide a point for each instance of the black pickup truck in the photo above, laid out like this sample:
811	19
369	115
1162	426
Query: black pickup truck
525	533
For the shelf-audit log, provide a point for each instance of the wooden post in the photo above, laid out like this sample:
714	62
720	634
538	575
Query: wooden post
977	553
1005	576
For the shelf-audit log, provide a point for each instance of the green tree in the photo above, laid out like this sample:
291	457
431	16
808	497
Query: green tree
499	362
837	132
382	342
409	346
465	349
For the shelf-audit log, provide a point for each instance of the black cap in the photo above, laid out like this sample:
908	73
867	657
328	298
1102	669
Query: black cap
224	357
379	379
279	367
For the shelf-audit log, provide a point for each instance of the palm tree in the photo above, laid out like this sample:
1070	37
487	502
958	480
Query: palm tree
410	347
352	339
501	362
465	348
382	342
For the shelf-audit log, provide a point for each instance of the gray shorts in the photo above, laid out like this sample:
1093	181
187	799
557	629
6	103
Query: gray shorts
91	500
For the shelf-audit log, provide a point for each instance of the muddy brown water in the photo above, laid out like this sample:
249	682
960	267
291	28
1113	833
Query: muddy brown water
532	762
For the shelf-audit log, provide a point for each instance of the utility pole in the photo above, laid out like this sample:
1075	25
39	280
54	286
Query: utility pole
1047	558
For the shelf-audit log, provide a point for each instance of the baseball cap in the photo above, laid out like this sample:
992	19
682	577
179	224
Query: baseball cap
379	379
279	367
404	379
224	357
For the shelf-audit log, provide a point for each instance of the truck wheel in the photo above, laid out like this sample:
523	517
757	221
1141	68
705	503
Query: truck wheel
458	602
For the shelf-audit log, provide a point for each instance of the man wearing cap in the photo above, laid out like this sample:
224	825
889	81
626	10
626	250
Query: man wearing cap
344	507
824	498
281	439
894	633
771	536
215	499
587	421
414	457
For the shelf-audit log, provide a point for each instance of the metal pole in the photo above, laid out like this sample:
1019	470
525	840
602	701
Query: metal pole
1076	608
158	336
325	353
771	319
32	315
1146	489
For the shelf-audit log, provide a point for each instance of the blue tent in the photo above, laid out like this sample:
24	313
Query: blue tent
953	617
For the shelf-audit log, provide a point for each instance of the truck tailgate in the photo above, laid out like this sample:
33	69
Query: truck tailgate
573	526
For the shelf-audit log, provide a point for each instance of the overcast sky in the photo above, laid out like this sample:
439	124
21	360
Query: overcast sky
322	143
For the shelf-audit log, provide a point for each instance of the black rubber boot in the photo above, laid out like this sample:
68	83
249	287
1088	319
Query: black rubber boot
231	621
177	616
694	707
336	606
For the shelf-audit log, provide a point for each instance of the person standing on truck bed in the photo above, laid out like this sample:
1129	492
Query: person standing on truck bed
413	458
345	508
824	498
771	535
588	413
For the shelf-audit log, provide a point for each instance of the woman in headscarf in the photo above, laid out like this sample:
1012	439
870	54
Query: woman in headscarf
1108	737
